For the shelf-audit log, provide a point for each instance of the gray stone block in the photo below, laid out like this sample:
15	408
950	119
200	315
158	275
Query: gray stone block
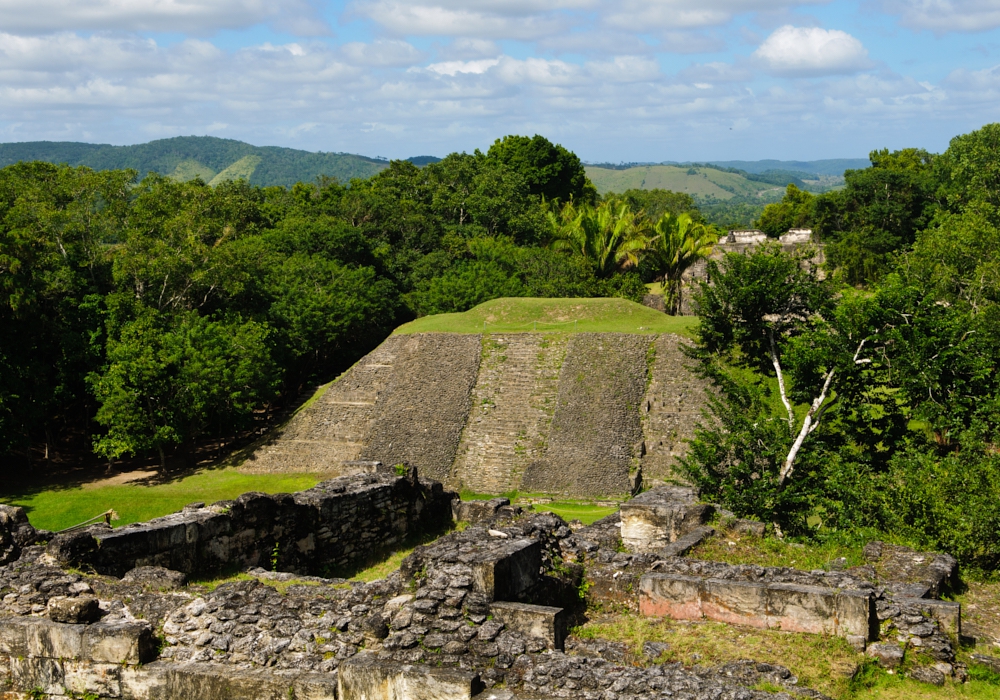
887	655
504	571
363	677
477	511
683	545
82	609
121	642
539	621
654	519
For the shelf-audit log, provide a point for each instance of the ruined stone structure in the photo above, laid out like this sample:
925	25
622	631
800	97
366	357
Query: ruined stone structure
480	613
577	414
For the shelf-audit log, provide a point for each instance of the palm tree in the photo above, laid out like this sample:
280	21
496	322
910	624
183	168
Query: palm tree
679	243
610	235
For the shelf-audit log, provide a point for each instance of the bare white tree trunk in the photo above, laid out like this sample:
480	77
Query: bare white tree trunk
781	382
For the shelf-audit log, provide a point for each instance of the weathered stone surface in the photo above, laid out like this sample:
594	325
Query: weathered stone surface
364	677
684	544
596	430
927	674
305	529
887	655
425	405
654	519
155	577
537	621
946	613
513	402
787	607
477	511
670	409
15	533
912	574
82	609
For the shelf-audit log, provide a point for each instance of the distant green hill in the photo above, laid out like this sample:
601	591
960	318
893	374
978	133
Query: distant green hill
212	159
700	183
832	166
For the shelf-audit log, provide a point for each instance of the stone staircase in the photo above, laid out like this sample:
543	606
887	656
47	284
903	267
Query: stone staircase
329	433
512	407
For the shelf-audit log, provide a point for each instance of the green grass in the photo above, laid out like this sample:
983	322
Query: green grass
525	315
59	508
567	509
734	548
702	182
571	510
190	169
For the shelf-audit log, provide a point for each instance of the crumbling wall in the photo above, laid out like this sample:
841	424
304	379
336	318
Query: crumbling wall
426	403
596	431
512	407
325	529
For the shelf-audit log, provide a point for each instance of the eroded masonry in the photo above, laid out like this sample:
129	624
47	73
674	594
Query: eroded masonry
580	414
241	600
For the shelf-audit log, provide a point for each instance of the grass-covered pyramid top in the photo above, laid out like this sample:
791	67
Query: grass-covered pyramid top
527	315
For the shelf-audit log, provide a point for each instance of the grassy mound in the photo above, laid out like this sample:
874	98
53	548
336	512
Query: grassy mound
526	315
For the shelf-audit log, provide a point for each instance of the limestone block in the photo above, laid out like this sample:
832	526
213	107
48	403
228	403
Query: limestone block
611	586
85	677
13	637
53	640
505	570
654	519
120	642
30	673
166	681
477	511
362	677
887	655
81	609
539	621
788	607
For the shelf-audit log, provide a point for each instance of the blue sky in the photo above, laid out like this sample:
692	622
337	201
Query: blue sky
613	80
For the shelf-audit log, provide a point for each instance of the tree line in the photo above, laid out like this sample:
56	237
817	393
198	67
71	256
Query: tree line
143	316
865	398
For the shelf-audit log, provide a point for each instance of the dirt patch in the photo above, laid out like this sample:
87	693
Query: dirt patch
119	479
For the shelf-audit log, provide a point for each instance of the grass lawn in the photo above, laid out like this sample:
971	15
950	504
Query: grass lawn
59	508
567	509
734	548
525	315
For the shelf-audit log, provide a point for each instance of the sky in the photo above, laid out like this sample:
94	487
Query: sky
612	80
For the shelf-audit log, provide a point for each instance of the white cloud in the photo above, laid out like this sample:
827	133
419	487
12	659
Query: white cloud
474	20
190	16
811	51
383	52
454	67
943	16
464	48
644	15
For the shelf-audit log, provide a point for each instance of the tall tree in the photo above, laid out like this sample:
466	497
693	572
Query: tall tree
678	242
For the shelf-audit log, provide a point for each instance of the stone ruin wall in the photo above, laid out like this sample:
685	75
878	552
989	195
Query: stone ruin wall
479	614
574	414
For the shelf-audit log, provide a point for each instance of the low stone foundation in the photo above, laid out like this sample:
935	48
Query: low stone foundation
321	531
788	607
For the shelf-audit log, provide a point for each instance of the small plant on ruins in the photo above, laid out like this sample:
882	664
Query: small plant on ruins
275	554
400	469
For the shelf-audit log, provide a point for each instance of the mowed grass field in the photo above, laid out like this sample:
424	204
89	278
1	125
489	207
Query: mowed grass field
693	181
61	507
526	315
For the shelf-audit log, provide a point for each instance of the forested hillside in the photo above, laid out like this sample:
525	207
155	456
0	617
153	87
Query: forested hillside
212	159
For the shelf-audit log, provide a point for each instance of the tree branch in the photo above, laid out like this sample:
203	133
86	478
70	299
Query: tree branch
781	382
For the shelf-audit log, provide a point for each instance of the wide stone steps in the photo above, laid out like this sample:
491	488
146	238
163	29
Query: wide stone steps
511	411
